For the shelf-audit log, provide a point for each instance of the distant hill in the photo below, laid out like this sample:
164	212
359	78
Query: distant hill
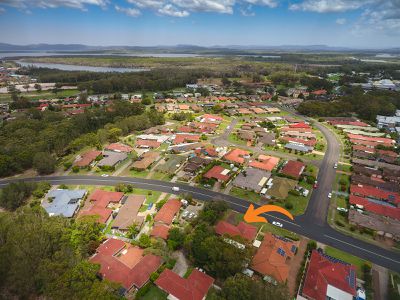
233	49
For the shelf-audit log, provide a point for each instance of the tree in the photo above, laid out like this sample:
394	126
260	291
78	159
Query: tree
212	212
38	87
26	87
144	241
241	287
176	237
133	230
16	194
44	163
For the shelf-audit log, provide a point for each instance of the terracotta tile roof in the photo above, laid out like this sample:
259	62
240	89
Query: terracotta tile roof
147	143
310	143
167	213
216	173
272	256
374	207
323	271
373	192
293	168
288	129
124	263
244	230
265	162
98	202
186	138
236	155
211	118
195	287
300	125
87	158
319	92
119	147
380	140
161	231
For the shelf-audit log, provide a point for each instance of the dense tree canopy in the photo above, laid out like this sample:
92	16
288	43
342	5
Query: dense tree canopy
42	255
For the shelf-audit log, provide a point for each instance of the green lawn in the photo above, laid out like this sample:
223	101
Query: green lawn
42	95
160	176
280	231
346	257
154	293
235	140
247	195
140	174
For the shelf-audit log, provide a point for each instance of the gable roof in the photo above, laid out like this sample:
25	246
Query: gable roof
373	192
87	158
98	202
217	172
281	187
127	214
324	270
195	287
168	211
244	230
119	147
161	231
272	256
293	168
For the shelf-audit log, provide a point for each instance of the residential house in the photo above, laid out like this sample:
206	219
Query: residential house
279	187
87	158
99	204
125	264
244	230
218	173
265	162
195	287
145	160
112	159
293	168
128	213
273	258
328	278
237	156
252	179
62	202
119	147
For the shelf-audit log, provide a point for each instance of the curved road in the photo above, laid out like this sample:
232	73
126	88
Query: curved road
303	225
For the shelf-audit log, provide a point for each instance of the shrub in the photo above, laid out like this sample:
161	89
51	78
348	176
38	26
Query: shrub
288	205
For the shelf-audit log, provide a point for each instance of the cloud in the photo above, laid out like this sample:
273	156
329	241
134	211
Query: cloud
247	11
325	6
341	21
131	12
79	4
269	3
2	10
170	10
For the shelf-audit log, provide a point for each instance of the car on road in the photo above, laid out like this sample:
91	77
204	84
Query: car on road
104	175
330	195
335	166
277	224
315	184
175	189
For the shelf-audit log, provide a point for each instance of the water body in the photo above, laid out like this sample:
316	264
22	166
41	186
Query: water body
66	67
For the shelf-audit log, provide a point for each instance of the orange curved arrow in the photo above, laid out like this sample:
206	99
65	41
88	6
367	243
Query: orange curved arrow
252	215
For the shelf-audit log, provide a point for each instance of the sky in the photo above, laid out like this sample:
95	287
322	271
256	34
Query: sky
346	23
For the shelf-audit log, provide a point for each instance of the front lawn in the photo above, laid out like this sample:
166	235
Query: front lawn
247	195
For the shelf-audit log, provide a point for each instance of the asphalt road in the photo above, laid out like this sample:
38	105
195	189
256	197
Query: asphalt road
302	225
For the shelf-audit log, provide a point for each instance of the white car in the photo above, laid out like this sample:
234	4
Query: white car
330	195
104	175
335	166
175	189
277	224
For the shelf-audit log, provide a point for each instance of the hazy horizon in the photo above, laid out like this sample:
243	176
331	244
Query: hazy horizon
363	24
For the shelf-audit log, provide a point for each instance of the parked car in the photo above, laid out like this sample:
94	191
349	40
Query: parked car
315	184
104	175
342	209
277	224
330	195
335	166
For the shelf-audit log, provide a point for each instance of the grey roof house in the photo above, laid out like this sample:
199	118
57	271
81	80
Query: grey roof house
63	202
252	179
111	158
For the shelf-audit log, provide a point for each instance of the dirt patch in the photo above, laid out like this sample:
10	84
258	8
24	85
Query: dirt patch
295	266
